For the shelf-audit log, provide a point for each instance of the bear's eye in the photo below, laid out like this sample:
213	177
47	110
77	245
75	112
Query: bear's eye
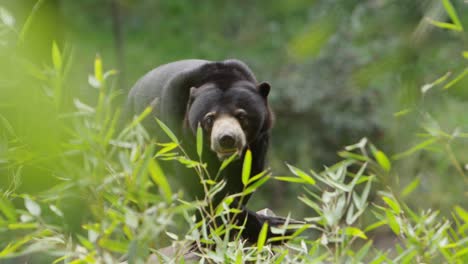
208	121
241	115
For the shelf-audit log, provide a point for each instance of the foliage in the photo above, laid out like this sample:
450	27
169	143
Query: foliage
77	188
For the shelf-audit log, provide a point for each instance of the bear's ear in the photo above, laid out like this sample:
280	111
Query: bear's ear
264	89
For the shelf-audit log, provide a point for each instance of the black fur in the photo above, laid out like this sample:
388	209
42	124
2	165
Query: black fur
182	92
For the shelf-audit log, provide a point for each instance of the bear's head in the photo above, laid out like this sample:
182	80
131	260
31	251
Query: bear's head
232	115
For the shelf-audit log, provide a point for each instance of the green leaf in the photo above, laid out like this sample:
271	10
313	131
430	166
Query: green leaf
355	232
56	57
29	20
255	185
226	162
7	208
256	177
416	148
301	174
444	25
113	245
160	179
465	54
392	204
6	17
138	119
309	43
32	206
199	141
462	213
410	187
452	14
428	86
402	112
392	222
383	160
456	79
168	131
166	148
362	253
289	179
98	71
16	226
262	237
246	167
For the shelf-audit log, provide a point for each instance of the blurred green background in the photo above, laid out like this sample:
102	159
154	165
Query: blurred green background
339	70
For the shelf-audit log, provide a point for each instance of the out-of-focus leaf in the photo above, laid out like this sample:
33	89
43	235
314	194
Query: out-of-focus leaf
465	54
462	213
355	232
382	160
416	148
440	80
32	206
410	187
392	222
15	226
392	204
402	112
29	20
452	14
160	179
56	57
6	17
98	70
57	211
309	43
113	245
456	79
7	208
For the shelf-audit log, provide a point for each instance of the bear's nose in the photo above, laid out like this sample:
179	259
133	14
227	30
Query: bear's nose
227	142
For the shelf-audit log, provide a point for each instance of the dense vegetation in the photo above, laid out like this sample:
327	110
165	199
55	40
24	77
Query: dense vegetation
77	189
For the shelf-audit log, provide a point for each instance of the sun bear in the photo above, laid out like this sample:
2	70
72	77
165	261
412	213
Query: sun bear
231	107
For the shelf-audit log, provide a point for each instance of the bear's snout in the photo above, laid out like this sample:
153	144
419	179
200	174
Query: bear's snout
227	142
227	137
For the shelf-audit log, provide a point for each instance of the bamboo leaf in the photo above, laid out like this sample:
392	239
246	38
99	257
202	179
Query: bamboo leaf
7	208
262	237
168	131
462	213
392	204
410	187
160	179
355	232
246	167
32	206
113	245
301	174
456	79
255	185
199	141
56	57
98	72
383	160
452	14
416	148
392	222
290	179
